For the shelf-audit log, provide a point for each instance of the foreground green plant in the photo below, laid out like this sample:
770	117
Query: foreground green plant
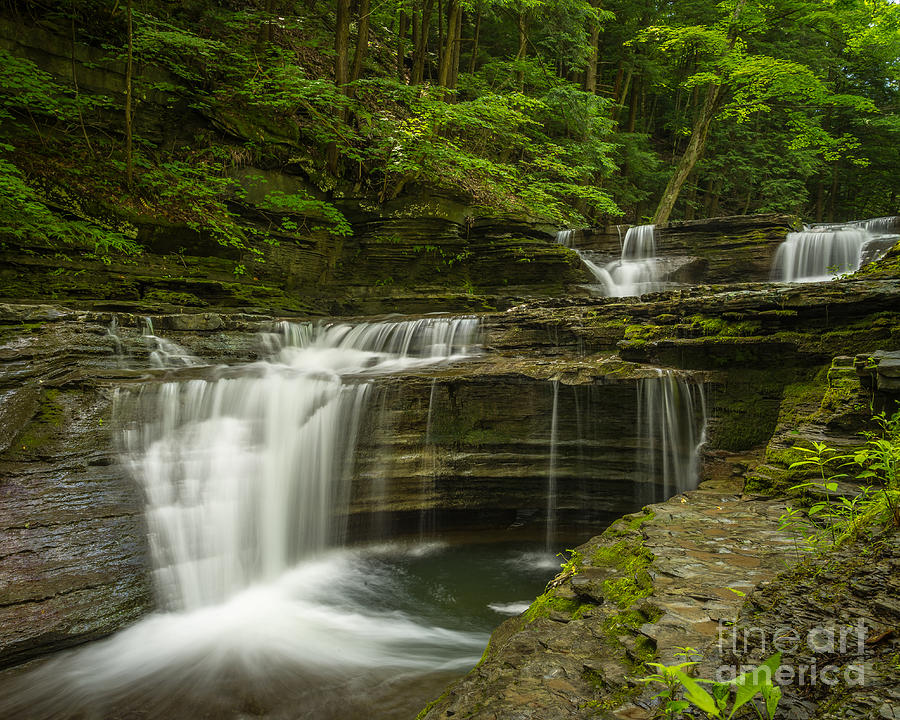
830	521
725	699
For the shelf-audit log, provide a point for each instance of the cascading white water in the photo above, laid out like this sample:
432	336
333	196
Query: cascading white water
165	353
670	434
429	457
636	272
246	480
820	253
884	225
823	252
245	476
551	473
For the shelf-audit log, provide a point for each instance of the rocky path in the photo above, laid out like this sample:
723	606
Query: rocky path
653	582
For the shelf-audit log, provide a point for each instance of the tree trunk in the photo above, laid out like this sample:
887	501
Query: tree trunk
448	50
617	108
402	25
475	41
341	70
266	29
633	108
362	41
421	42
590	73
523	47
617	86
342	45
832	197
697	143
691	155
820	199
440	38
457	48
416	32
129	156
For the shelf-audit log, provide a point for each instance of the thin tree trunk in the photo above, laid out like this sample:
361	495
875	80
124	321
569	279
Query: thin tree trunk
475	41
362	41
832	197
129	158
448	53
75	85
617	86
697	143
691	155
523	46
416	32
590	73
341	69
633	108
621	101
342	45
266	29
440	38
457	49
820	199
402	26
424	25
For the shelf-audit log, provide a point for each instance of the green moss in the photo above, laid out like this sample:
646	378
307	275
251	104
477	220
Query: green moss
645	333
718	326
47	420
182	299
549	602
626	525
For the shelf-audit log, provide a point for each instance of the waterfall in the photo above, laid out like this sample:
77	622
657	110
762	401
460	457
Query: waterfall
819	253
429	458
670	434
165	353
551	473
883	225
245	476
636	271
823	252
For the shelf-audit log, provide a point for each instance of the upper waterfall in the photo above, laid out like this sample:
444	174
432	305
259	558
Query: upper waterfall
635	272
824	252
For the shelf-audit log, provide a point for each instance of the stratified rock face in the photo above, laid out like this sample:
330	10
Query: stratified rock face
475	446
73	543
740	248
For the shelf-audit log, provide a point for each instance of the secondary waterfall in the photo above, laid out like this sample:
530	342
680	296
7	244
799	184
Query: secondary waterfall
636	271
551	473
164	353
823	252
671	429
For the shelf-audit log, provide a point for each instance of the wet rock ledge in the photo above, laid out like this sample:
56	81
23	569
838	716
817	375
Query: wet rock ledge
657	579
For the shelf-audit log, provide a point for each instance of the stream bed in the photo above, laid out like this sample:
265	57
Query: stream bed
355	632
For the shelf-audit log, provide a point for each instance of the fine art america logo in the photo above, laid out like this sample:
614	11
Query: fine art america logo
816	651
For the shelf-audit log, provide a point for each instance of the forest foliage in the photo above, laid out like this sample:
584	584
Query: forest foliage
570	111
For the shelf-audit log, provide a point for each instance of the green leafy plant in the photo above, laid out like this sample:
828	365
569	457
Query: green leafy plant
835	519
724	699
